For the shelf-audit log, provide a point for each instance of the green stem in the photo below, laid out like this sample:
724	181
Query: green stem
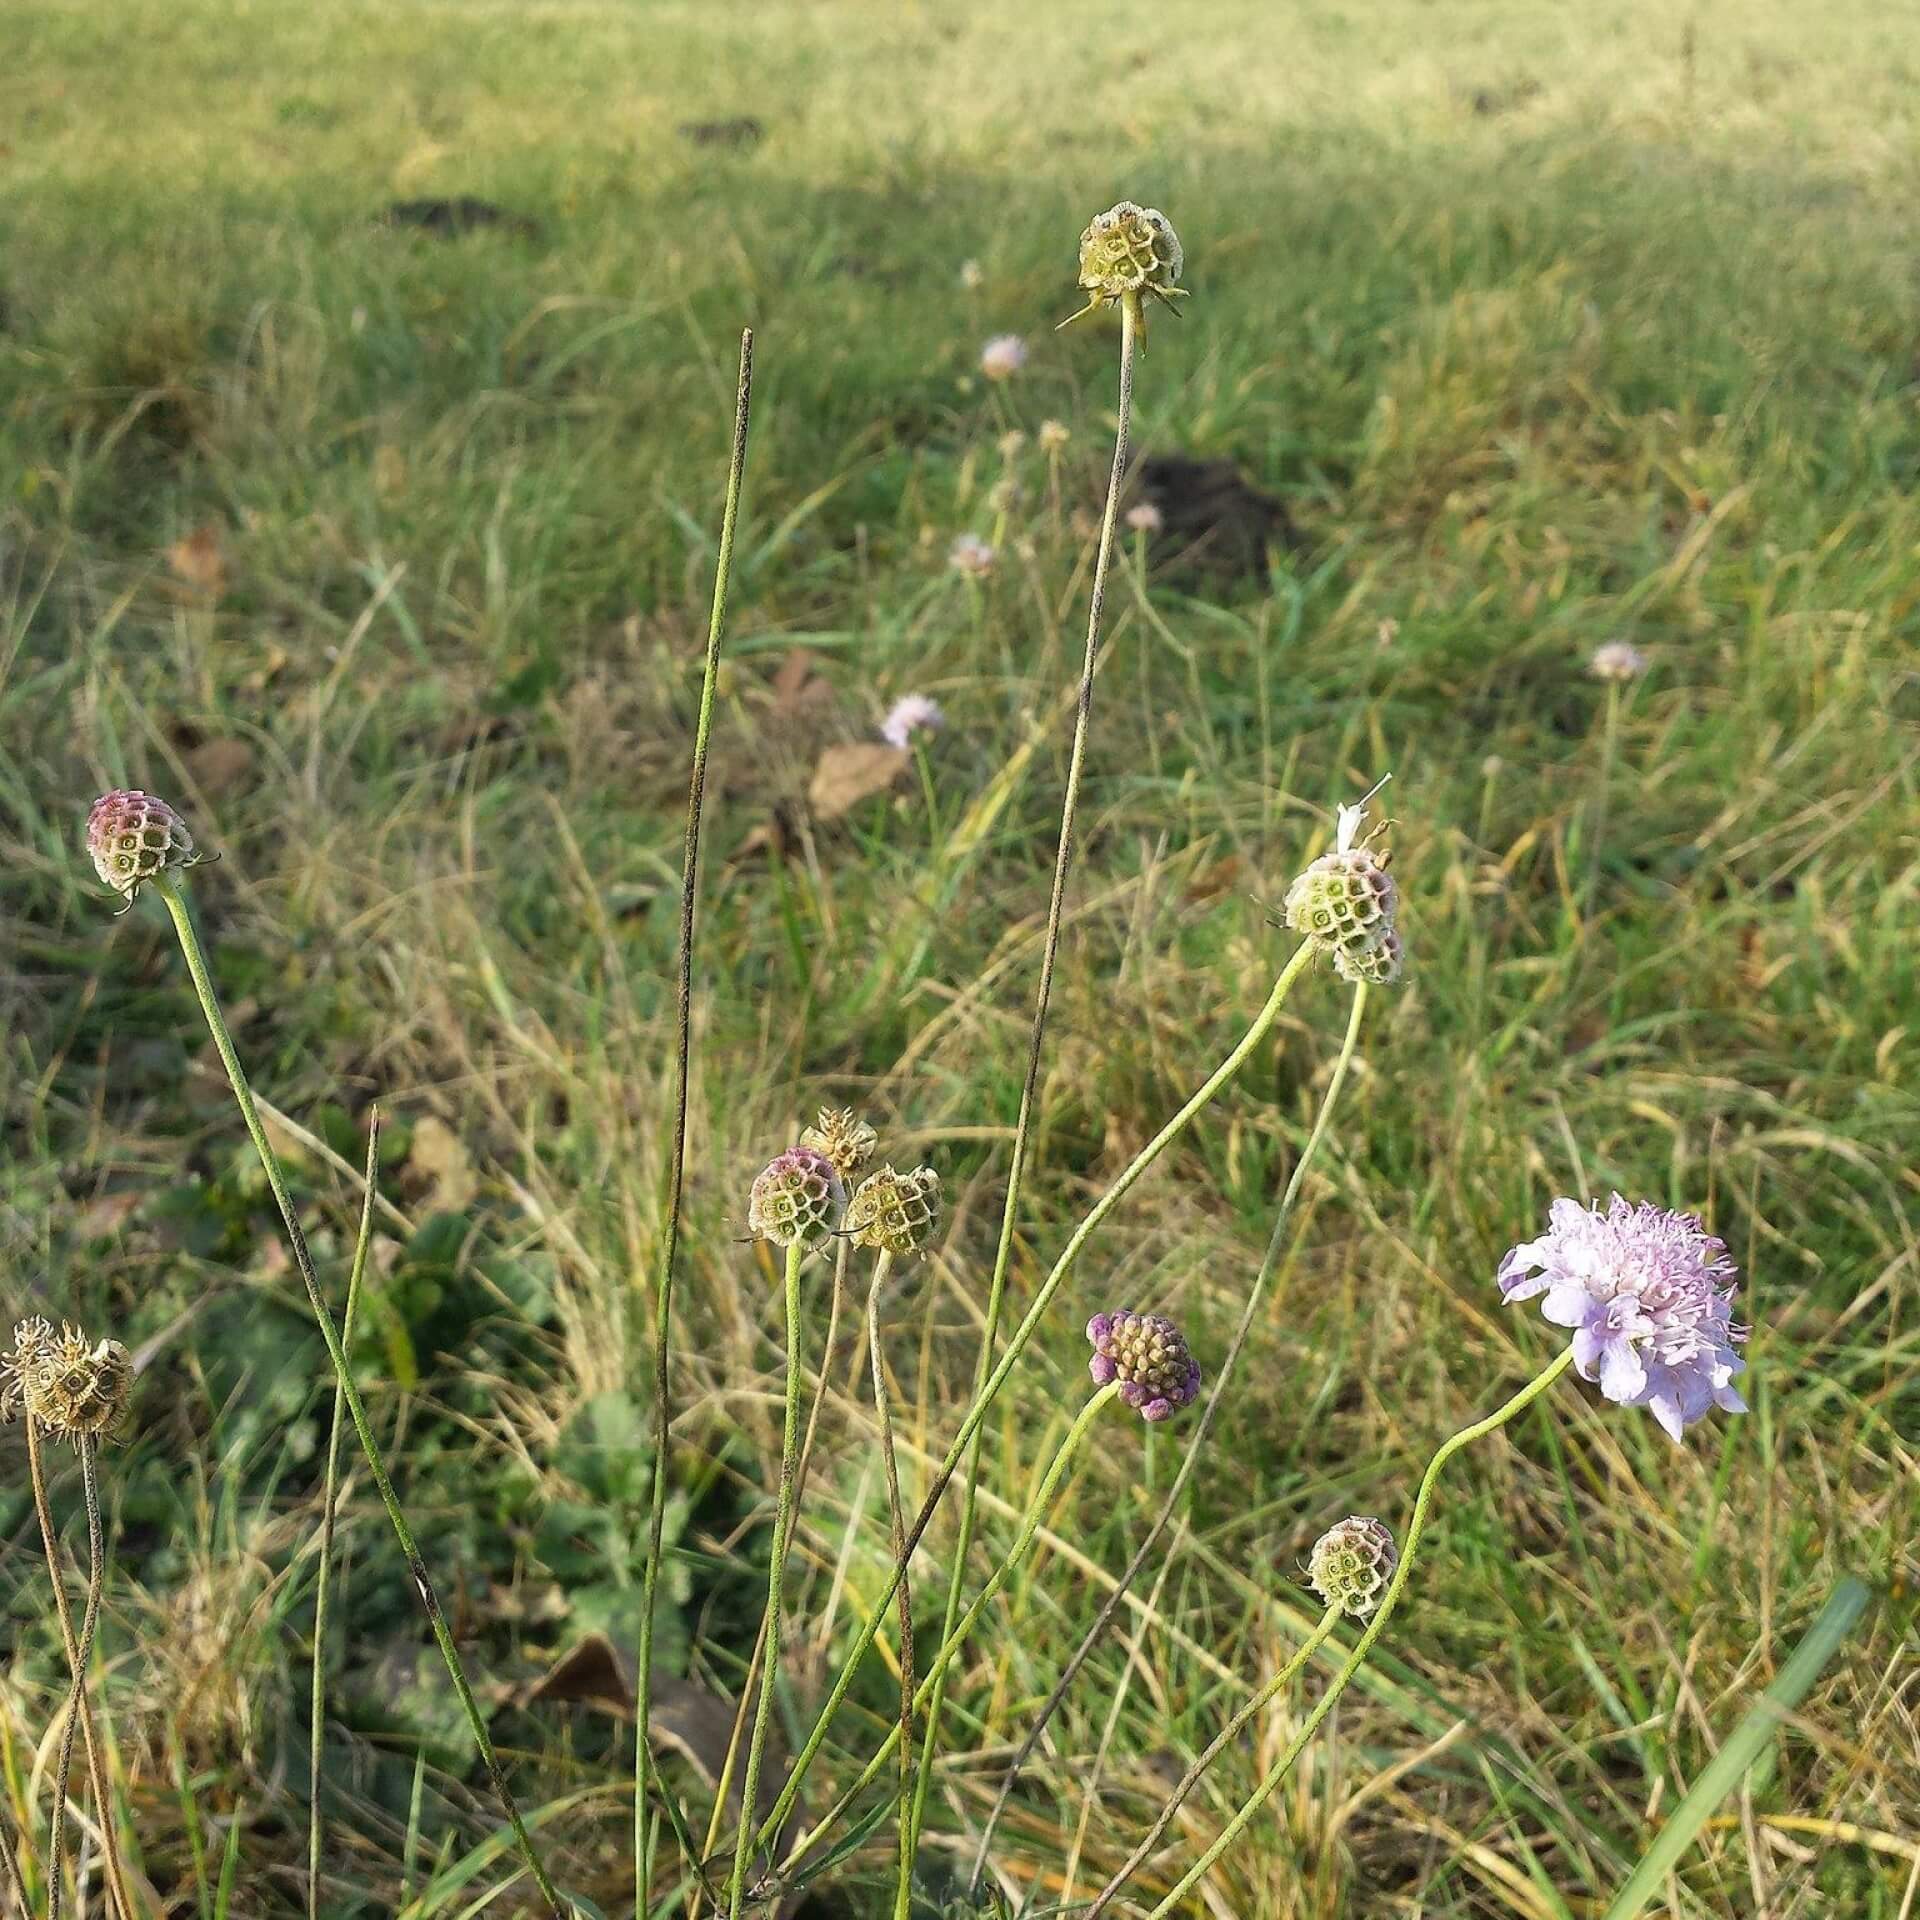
1003	1252
677	1159
883	1414
1256	1299
776	1584
1534	1388
1022	1334
89	1625
1609	750
1224	1739
417	1567
329	1517
955	1642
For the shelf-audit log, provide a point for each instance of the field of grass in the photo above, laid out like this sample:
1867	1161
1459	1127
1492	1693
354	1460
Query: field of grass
384	553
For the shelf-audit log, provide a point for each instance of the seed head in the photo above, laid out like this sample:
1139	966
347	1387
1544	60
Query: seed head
1128	253
1344	902
895	1212
1351	1564
1376	966
131	836
1144	1351
840	1133
75	1388
797	1199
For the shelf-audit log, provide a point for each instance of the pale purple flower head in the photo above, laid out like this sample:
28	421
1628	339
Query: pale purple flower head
1649	1295
1145	517
972	556
1003	356
1617	660
1146	1354
912	713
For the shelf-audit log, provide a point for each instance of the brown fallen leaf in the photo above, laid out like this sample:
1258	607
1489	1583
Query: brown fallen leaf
847	774
439	1156
217	765
200	560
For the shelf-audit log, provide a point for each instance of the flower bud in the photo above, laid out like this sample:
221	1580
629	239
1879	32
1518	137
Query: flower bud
840	1133
1145	1352
895	1212
132	836
797	1199
1351	1564
1617	660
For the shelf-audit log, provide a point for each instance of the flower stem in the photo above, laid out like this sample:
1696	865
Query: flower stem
1609	752
983	1400
89	1624
955	1642
776	1585
416	1567
883	1414
329	1516
677	1157
70	1641
1221	1741
1534	1388
1256	1299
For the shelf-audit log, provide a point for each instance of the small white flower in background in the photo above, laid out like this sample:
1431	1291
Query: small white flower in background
1005	495
1145	518
912	713
972	276
1053	435
1003	356
1012	443
1617	660
971	555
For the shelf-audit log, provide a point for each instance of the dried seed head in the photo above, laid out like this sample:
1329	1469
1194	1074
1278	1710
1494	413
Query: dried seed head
1376	966
1143	1351
1351	1564
1344	902
75	1388
840	1133
797	1199
1127	252
895	1212
131	836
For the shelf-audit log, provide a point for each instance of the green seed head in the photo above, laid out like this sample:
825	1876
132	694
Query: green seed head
895	1213
1351	1565
1128	251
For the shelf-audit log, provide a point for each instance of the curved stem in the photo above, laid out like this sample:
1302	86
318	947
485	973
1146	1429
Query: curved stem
883	1413
1256	1298
329	1516
1022	1334
776	1585
1534	1388
70	1642
996	1291
677	1156
296	1238
952	1647
1219	1744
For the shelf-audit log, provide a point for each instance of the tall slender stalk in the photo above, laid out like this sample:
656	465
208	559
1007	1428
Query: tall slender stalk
16	1885
677	1155
89	1624
1003	1252
883	1414
1016	1345
329	1515
1410	1549
296	1237
776	1586
1256	1298
70	1641
1609	753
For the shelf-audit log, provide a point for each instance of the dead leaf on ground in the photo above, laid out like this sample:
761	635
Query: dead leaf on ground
217	765
200	560
103	1218
846	775
440	1156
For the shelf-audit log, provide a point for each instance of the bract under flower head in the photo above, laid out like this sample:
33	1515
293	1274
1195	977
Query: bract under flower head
1648	1293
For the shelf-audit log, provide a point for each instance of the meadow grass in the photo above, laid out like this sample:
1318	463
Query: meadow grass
1549	328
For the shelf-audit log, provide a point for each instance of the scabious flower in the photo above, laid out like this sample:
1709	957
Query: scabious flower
132	836
1379	965
1011	445
1144	518
1617	660
1053	435
1145	1352
895	1212
912	713
1351	1564
1003	356
840	1133
972	275
1649	1295
972	556
1127	253
797	1199
76	1388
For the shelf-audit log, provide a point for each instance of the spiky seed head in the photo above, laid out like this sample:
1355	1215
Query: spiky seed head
840	1133
74	1387
1351	1564
1127	252
895	1213
1376	966
132	836
1344	902
797	1199
1146	1354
